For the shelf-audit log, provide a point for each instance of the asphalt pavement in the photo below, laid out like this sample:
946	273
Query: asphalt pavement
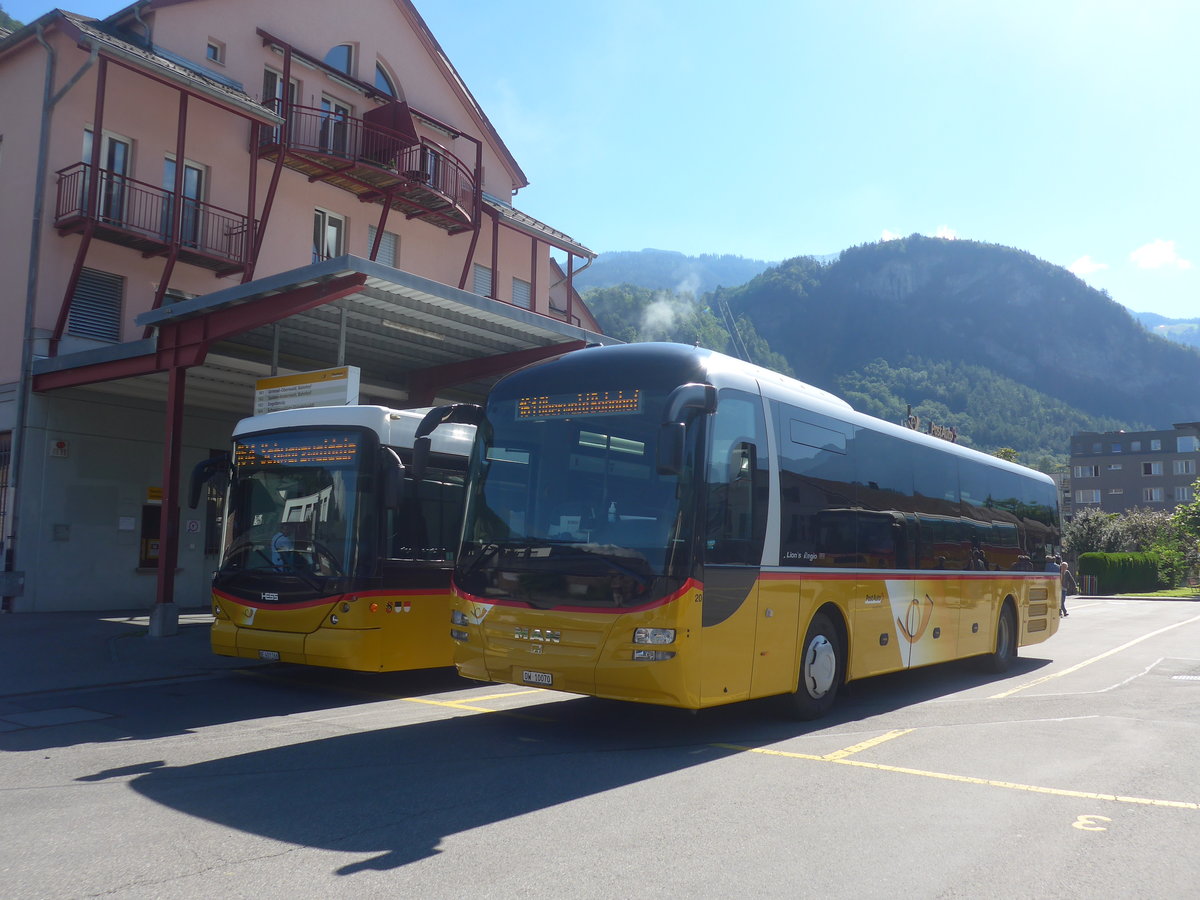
41	652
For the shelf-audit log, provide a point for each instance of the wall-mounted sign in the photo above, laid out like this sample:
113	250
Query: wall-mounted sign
328	387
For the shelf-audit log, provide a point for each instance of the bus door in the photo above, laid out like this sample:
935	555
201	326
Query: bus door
735	515
881	606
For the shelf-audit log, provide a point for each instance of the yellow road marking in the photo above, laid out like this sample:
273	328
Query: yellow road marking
966	779
866	745
509	694
1088	662
456	704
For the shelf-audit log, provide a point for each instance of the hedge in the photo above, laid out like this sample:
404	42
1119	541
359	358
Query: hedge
1121	573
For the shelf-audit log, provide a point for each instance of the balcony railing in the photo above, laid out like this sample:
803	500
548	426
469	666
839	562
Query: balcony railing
140	215
422	180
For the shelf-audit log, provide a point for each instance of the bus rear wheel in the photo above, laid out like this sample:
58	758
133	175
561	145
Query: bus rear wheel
820	670
1001	658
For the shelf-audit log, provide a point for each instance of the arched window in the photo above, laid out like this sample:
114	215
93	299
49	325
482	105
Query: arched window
341	58
383	81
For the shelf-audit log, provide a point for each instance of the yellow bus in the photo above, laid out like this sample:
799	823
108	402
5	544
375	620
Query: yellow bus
331	557
665	524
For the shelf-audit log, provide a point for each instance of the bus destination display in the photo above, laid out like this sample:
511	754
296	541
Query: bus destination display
584	403
297	450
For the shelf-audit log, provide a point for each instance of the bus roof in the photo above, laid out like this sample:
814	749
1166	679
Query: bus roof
394	427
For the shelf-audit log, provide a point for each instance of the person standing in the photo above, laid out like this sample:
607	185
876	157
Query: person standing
1067	582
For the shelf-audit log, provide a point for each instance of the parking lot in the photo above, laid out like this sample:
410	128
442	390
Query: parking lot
1073	775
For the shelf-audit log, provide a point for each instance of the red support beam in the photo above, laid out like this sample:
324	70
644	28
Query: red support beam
186	343
168	552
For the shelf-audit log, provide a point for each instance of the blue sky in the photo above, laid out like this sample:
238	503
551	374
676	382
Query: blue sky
771	129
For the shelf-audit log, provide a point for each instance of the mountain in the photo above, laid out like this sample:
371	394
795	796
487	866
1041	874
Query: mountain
669	271
1182	331
1008	349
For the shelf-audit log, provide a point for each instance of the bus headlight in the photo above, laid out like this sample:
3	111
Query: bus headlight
460	636
654	636
458	617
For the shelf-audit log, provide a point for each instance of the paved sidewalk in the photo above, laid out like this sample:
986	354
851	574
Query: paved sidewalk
58	651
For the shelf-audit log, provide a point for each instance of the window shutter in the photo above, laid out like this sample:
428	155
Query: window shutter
522	295
96	306
387	246
482	281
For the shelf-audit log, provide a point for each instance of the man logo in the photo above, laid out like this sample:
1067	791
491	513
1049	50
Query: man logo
545	635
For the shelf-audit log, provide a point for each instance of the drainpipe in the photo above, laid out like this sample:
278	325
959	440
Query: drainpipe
24	383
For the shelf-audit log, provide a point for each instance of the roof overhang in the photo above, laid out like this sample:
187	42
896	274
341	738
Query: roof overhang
414	339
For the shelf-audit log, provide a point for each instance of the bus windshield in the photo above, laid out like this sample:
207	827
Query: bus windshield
567	507
293	503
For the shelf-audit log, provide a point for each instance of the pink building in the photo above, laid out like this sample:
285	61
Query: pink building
202	193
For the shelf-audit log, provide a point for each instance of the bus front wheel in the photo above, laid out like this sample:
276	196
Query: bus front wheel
820	669
1001	658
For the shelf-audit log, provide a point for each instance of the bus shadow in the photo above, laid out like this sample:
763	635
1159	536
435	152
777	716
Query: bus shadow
147	711
396	794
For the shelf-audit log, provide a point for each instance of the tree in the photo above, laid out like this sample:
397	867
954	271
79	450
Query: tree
1091	531
1007	453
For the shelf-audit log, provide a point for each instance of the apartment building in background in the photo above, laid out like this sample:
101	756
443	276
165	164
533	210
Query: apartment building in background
199	194
1118	470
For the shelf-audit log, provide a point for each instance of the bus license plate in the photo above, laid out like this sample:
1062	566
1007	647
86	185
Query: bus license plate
272	655
542	678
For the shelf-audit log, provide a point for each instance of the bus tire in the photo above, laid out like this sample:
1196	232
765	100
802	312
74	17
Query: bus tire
999	660
821	665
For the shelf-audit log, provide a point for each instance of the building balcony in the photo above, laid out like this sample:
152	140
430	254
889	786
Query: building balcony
416	176
138	215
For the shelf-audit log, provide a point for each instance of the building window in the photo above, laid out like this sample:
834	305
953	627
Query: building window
1087	496
1152	495
329	235
1184	467
1183	495
215	51
1152	468
1155	445
389	246
383	81
96	306
334	134
1116	448
1135	446
1116	492
522	293
1096	448
1087	471
341	58
190	222
1115	467
1187	444
481	281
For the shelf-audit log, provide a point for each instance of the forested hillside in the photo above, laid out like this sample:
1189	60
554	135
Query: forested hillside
1006	348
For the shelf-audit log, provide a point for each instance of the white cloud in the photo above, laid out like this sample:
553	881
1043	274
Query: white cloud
889	235
1085	265
1158	254
945	231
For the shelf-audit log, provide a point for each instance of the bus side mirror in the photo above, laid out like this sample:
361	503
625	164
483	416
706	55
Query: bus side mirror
672	431
460	413
669	457
393	479
204	472
420	458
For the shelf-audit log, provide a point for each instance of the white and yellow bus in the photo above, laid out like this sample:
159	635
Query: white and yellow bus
665	524
331	557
